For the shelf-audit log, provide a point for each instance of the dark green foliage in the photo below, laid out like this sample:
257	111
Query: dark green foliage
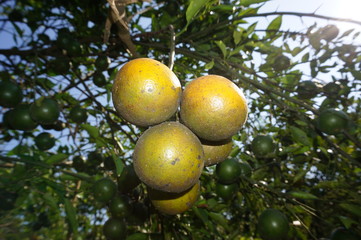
309	169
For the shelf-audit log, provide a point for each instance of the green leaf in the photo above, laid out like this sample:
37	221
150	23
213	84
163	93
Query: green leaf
302	195
300	136
352	208
209	65
92	130
71	215
94	133
247	3
237	36
194	7
57	158
347	222
222	46
274	26
220	219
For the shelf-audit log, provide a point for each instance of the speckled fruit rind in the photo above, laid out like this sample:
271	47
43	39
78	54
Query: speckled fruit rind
174	203
216	152
213	107
168	157
146	92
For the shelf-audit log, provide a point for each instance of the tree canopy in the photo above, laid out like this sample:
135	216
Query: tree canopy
64	148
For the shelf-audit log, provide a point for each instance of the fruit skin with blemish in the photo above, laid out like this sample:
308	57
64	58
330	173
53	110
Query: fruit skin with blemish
146	92
213	107
168	157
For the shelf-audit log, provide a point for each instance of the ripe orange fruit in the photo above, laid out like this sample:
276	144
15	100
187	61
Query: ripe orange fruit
174	203
216	152
146	92
213	107
168	157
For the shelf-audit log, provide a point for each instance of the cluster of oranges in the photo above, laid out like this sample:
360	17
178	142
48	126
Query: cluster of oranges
169	156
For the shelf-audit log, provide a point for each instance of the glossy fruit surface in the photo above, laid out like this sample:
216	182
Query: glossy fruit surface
44	141
273	225
343	234
146	92
104	190
307	90
119	206
332	121
45	111
216	152
281	63
226	191
246	169
128	180
78	114
168	157
10	94
21	119
114	229
228	171
213	107
174	203
263	146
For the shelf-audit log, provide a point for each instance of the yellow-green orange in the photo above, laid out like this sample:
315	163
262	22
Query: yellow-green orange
216	152
213	107
174	203
168	157
146	92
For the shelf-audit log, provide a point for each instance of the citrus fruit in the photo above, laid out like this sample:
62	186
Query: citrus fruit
10	94
120	207
20	118
213	107
146	92
45	111
79	163
246	169
104	190
307	90
44	141
332	121
174	203
99	79
228	171
102	63
168	157
78	114
281	63
343	234
7	119
128	179
273	225
263	146
226	191
60	65
114	229
216	152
